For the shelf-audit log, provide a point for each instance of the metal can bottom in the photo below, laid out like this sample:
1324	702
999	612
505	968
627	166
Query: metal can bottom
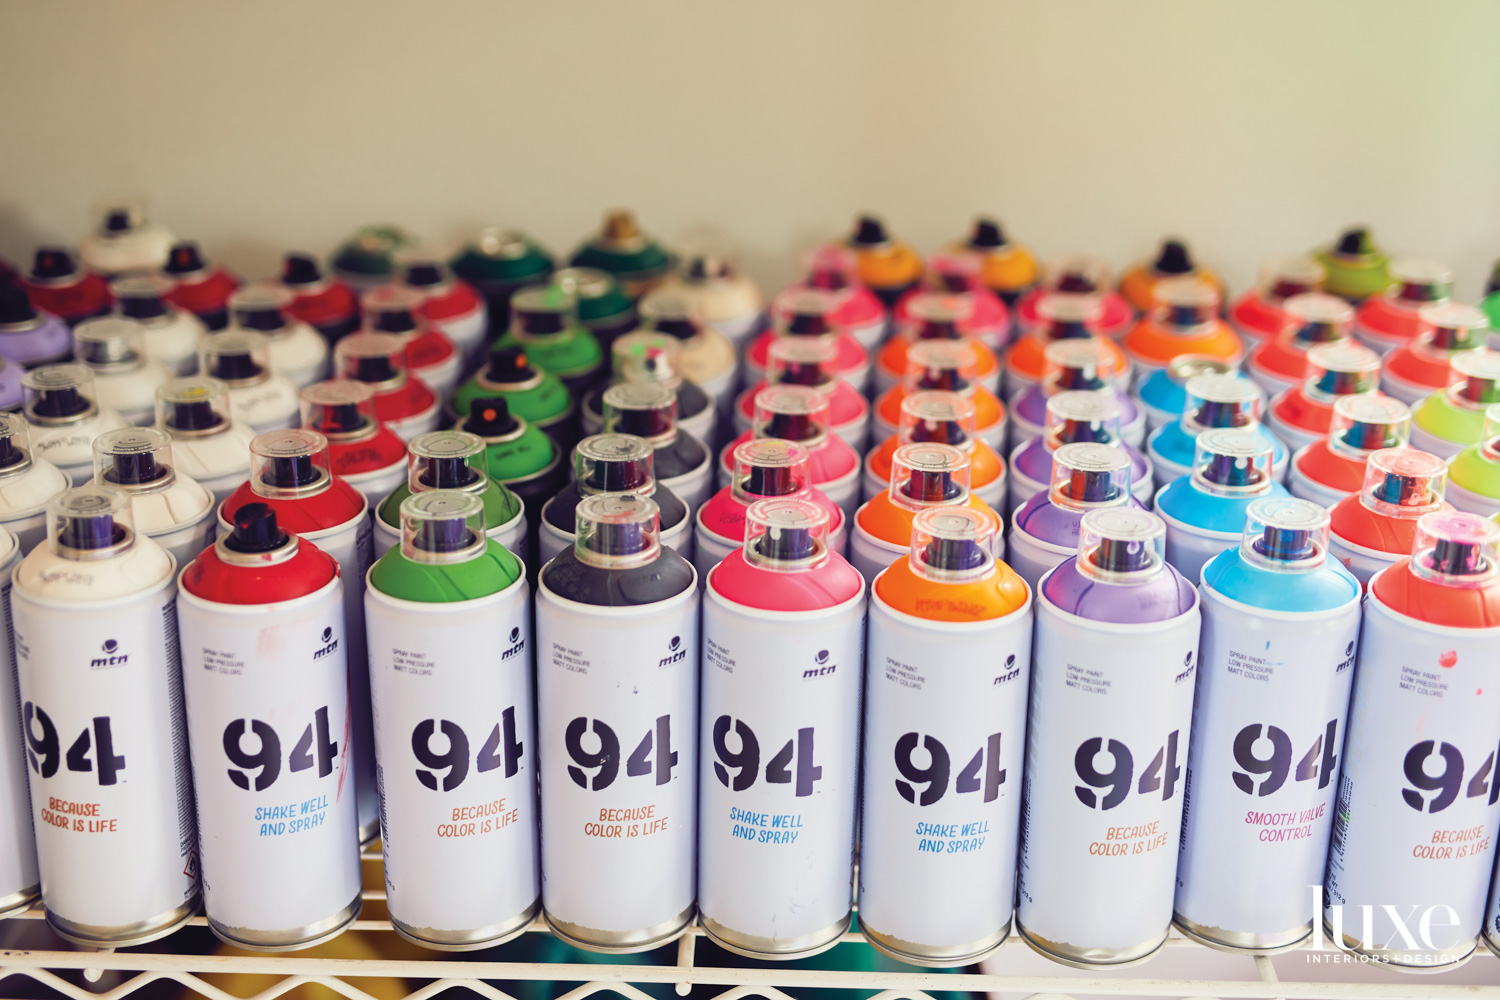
1092	958
1384	957
932	957
1243	942
128	935
620	942
484	937
774	949
294	939
19	901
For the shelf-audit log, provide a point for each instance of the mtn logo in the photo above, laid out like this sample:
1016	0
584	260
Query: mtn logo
676	652
112	656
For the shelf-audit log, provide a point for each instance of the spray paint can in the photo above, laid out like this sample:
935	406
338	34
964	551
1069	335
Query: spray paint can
1111	709
1304	414
725	298
888	267
454	461
1162	395
430	355
536	396
649	356
101	683
649	410
165	505
59	287
1474	473
1279	363
1139	283
497	262
448	306
206	443
200	286
603	307
798	413
1078	274
947	366
1378	527
169	334
1260	314
612	463
810	361
934	316
941	418
1356	268
961	273
948	670
517	455
764	469
29	336
366	260
290	472
124	380
638	262
1061	316
27	485
709	359
326	304
1386	322
258	397
783	639
65	417
403	402
20	879
1447	422
1416	370
1205	510
834	268
1280	623
1334	468
361	451
1008	269
1211	401
1418	805
125	241
807	313
544	323
1044	530
1183	319
295	348
1075	365
618	612
266	677
459	823
1091	415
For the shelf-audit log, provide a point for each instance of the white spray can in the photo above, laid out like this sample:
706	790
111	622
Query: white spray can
124	380
166	506
206	443
27	483
65	417
258	396
294	349
19	877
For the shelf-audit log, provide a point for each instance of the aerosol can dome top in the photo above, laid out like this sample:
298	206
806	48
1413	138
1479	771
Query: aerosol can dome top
645	409
811	361
1220	400
236	357
446	460
1229	462
58	393
1341	368
793	413
1082	416
289	463
134	459
941	364
1474	379
1456	549
647	356
614	463
260	306
1316	318
1404	483
192	405
111	344
1080	363
937	417
1088	474
1367	422
1281	278
1415	281
15	444
927	475
340	407
141	296
375	358
617	530
1121	544
1185	302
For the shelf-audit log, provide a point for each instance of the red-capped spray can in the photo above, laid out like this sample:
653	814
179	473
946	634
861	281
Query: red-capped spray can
20	879
363	452
783	641
57	285
326	304
1279	363
1386	322
430	355
449	306
200	286
265	671
1329	470
1372	529
1260	314
403	402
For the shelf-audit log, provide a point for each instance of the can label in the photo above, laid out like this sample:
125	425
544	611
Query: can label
457	744
780	746
111	793
269	727
18	869
1413	843
1268	730
617	692
1111	709
945	731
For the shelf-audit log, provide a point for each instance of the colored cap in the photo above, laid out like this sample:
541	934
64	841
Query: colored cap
141	296
1220	400
617	530
1228	462
928	475
51	263
192	406
136	459
446	460
15	444
952	544
392	309
959	273
442	526
340	409
541	311
289	463
184	258
869	232
986	234
937	316
792	413
1173	258
1489	440
941	364
1089	474
937	417
645	409
1404	483
1453	326
1456	549
1121	544
1417	282
55	393
585	284
831	268
1285	534
300	269
769	467
669	312
614	463
90	522
1078	274
806	312
1367	422
1080	364
255	531
490	417
1283	278
1069	315
1342	368
1316	318
111	344
810	361
261	306
376	358
1082	416
1474	379
236	357
647	356
1185	303
786	534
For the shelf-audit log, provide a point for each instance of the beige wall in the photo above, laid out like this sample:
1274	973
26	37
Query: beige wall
1252	128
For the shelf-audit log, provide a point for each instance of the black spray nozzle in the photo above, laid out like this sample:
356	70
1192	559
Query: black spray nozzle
507	365
939	432
869	231
1354	242
1077	282
1120	555
1173	258
1232	470
542	321
448	473
786	544
235	366
117	220
10	455
987	234
423	275
1404	491
1452	557
135	469
393	321
489	416
53	262
301	269
184	258
292	471
91	532
1285	544
791	427
375	368
193	415
770	481
149	306
443	535
15	305
1370	436
1217	413
265	318
953	554
931	487
255	530
617	539
62	401
1092	486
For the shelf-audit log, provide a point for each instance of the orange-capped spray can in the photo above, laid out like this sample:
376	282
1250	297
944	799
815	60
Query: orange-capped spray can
1009	269
948	366
1184	319
1173	260
887	266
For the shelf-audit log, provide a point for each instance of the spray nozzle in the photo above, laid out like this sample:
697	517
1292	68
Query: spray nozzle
490	417
1404	483
786	533
1173	258
614	463
255	530
1089	474
1285	534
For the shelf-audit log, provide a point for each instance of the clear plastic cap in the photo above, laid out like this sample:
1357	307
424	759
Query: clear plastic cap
952	544
442	526
340	410
614	463
1368	422
1089	474
1282	278
1185	303
142	296
236	357
392	309
1078	274
134	459
541	311
937	417
1187	366
501	244
90	522
1228	462
375	358
110	345
792	413
1081	416
831	267
1339	369
1080	364
929	475
937	316
1452	326
1316	318
15	444
617	530
671	313
645	409
1489	441
1404	483
1416	282
261	306
291	463
769	467
805	312
1121	544
446	460
58	394
647	356
1285	534
1220	400
1456	549
1474	379
809	361
1069	315
786	534
193	407
957	272
941	364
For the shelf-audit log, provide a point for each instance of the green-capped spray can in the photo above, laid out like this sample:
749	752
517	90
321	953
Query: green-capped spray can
602	304
636	260
452	460
536	396
497	263
544	322
367	258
